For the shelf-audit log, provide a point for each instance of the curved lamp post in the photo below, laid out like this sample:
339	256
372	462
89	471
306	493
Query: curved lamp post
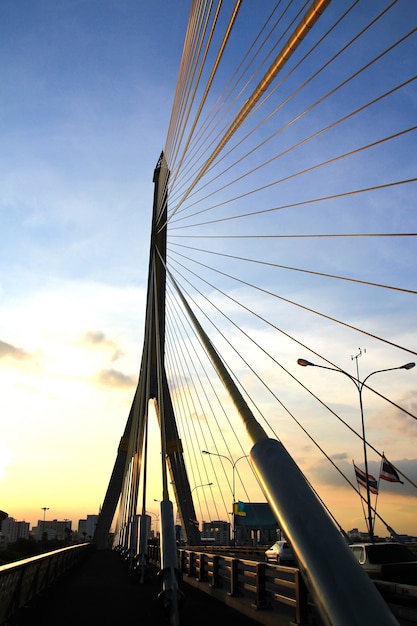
197	486
359	386
156	517
234	463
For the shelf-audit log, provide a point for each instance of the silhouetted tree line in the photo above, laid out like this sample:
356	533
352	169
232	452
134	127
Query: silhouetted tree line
25	548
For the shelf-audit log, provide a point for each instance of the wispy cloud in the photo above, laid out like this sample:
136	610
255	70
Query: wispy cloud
9	351
98	339
115	378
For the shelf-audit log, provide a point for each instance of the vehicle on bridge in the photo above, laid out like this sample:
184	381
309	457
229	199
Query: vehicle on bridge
280	552
388	561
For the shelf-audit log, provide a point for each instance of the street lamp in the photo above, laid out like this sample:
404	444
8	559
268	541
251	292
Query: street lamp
359	386
205	485
197	487
156	518
234	463
44	509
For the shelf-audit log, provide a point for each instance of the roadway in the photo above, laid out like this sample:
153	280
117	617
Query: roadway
103	591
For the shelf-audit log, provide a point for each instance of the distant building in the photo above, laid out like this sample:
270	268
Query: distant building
357	535
52	530
82	529
13	530
91	525
255	524
216	533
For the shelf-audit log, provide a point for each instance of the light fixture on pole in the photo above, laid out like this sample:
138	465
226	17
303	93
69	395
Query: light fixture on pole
44	509
205	485
359	386
233	463
197	487
156	518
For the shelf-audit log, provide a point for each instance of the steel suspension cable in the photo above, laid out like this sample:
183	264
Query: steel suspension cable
182	404
218	119
194	83
192	377
210	79
343	49
340	419
291	205
213	114
317	166
296	269
305	83
286	334
305	24
294	146
225	412
187	69
295	236
305	308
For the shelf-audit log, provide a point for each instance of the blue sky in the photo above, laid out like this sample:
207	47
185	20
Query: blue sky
87	91
308	101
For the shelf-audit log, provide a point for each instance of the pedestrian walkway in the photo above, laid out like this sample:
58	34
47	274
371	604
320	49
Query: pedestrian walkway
102	591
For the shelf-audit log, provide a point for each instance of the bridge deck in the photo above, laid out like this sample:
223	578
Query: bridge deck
103	591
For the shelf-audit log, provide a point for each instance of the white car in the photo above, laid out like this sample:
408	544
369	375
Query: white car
280	552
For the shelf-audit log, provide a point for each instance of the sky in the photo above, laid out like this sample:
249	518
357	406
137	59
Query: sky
87	92
311	127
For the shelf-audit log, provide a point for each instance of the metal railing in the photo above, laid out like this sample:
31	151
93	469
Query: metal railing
269	593
22	581
248	585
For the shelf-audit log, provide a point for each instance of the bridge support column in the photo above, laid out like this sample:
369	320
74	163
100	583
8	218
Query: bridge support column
320	550
170	595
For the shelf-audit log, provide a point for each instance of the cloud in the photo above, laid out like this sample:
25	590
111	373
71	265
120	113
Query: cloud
7	350
95	337
99	339
114	378
340	456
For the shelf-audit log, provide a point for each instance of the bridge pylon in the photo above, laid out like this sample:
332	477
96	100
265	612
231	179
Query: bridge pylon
152	385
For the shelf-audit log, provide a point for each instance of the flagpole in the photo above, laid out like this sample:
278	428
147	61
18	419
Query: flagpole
380	468
359	487
377	494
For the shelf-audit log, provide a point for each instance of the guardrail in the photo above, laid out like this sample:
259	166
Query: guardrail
270	594
401	599
22	581
260	590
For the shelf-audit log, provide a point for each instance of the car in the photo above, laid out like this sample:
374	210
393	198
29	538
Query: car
390	561
280	552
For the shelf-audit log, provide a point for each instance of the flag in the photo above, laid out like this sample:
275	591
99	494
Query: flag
389	473
361	478
239	509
